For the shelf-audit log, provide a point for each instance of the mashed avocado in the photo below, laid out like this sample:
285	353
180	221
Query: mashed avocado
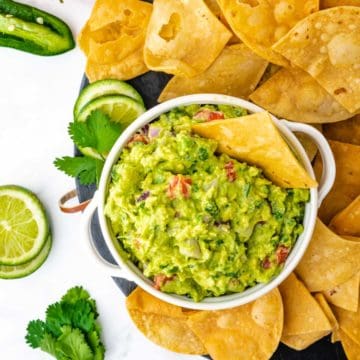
198	223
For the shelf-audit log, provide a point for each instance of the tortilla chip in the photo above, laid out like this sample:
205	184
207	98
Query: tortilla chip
329	260
335	336
307	143
349	323
295	95
327	46
128	68
251	331
255	139
235	72
170	333
115	30
302	341
324	4
163	323
260	23
302	313
320	298
352	238
183	38
351	348
347	182
347	222
345	295
345	131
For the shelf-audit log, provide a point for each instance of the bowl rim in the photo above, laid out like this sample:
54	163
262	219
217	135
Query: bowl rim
224	301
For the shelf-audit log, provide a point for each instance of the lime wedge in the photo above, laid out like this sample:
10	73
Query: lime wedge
105	87
24	227
18	271
121	109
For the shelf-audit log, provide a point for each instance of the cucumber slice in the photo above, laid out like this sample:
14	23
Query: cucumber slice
18	271
24	227
104	87
119	108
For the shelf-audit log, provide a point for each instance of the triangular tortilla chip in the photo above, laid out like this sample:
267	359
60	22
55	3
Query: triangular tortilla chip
235	72
347	181
345	295
163	323
329	260
295	95
347	222
302	313
255	139
183	37
307	143
345	131
259	24
326	45
349	322
251	331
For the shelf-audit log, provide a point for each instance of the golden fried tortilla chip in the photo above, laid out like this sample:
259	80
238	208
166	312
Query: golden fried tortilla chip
320	298
345	131
351	348
302	313
324	4
349	322
171	333
260	23
347	222
255	139
251	331
326	44
307	143
345	295
115	30
130	67
294	95
163	323
183	37
302	341
269	72
329	260
347	182
235	72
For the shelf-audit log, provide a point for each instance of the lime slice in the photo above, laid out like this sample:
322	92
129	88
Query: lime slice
119	108
18	271
105	87
24	226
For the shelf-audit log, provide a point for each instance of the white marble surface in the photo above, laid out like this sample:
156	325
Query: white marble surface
36	99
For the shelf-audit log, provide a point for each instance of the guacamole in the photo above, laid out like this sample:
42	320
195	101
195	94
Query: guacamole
196	222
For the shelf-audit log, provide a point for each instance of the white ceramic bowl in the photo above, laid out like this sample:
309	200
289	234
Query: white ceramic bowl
129	271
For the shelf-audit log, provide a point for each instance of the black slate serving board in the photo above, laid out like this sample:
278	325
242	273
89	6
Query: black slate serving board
150	86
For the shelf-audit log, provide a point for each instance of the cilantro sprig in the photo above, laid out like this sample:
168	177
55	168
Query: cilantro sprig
70	330
99	133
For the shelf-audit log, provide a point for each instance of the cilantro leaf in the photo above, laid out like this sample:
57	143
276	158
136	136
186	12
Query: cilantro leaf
57	315
82	316
48	344
79	293
97	132
35	333
72	345
82	167
93	339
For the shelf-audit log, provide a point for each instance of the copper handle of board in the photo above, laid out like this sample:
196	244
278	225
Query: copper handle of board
72	209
